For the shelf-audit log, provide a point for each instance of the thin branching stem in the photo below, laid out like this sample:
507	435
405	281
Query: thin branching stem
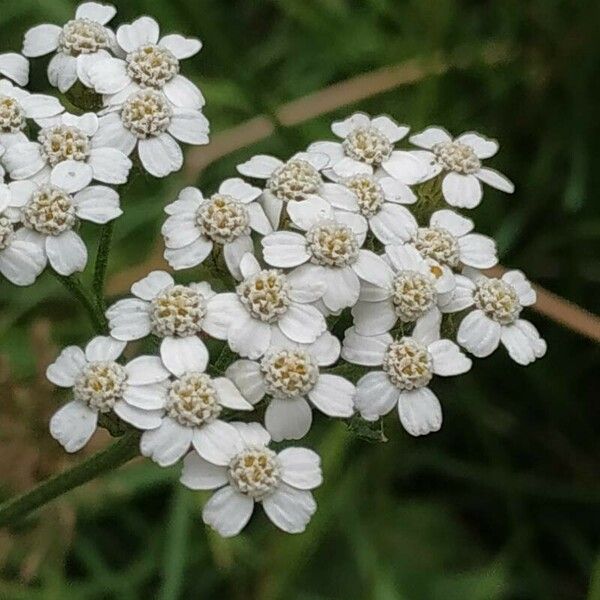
102	264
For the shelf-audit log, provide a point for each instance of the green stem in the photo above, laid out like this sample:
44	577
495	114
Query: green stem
102	264
106	460
77	290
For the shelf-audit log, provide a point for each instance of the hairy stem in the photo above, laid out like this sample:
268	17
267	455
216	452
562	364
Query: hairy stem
106	460
102	264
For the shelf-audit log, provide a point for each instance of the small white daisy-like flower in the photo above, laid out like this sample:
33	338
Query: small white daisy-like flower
15	66
149	63
175	313
291	181
18	105
331	247
196	224
413	288
192	404
367	147
498	304
148	120
50	212
248	471
449	241
265	301
409	364
66	149
79	43
289	373
459	159
100	385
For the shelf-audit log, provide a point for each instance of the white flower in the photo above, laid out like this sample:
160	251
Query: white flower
449	241
498	304
67	150
50	212
265	301
368	146
15	67
248	472
226	218
21	261
18	105
409	364
289	182
175	313
331	249
413	288
149	62
289	373
100	384
79	43
460	161
147	119
192	404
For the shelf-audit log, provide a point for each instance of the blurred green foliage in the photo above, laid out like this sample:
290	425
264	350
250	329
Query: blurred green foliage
504	502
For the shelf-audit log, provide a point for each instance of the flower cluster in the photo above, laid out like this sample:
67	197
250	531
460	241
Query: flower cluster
360	236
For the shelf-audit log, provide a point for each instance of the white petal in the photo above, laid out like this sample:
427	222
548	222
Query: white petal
188	200
343	288
94	11
429	137
363	350
248	378
461	297
272	206
479	334
371	268
392	131
98	204
22	262
41	40
160	155
109	165
62	71
258	218
374	318
326	349
180	46
249	265
129	319
15	67
181	230
151	285
73	425
302	323
290	509
420	411
317	160
66	252
520	283
189	256
406	258
477	251
334	150
450	220
333	395
238	189
427	328
482	146
189	126
249	337
395	191
252	434
288	419
184	354
234	252
147	397
67	367
523	342
199	474
375	396
112	134
300	468
222	311
348	167
108	76
23	160
285	249
37	106
217	442
260	166
343	128
228	511
146	370
339	196
496	180
304	285
71	175
406	167
104	348
139	418
463	191
185	95
166	444
306	213
229	395
448	359
144	30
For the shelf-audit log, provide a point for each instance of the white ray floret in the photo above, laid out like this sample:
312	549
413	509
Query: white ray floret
329	250
409	364
66	148
78	44
266	302
99	385
459	160
196	224
368	147
290	375
15	66
174	313
249	472
151	62
496	316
